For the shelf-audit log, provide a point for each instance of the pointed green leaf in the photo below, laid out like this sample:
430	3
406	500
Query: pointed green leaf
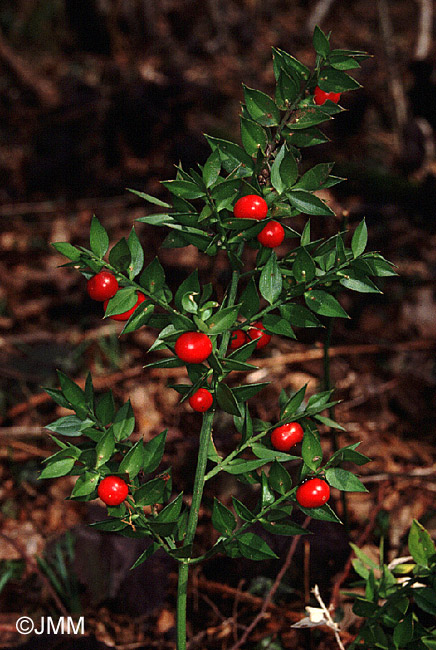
98	238
324	304
344	480
270	282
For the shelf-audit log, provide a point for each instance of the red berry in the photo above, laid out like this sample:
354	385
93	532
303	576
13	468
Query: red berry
251	206
238	339
201	400
313	493
286	436
321	96
272	234
112	490
256	332
126	315
102	286
193	347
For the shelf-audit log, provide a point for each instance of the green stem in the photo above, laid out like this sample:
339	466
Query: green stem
199	481
327	386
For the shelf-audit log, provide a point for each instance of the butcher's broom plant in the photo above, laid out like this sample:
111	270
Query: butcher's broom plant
246	195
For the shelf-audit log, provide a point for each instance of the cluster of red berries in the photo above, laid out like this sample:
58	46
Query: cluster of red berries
103	286
253	206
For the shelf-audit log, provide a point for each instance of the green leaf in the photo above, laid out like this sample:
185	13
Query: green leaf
323	513
242	511
269	455
184	189
241	466
57	468
139	318
315	177
403	632
226	399
329	422
155	491
105	448
249	300
98	238
190	285
233	157
68	250
120	256
307	138
151	550
122	301
123	422
153	277
270	282
307	117
321	42
222	320
287	90
105	408
311	450
223	519
86	484
283	528
254	547
243	393
303	268
73	393
324	304
133	460
57	397
279	478
357	281
344	480
69	425
254	137
261	107
425	598
336	81
293	404
284	170
290	64
299	316
149	198
421	545
360	239
153	452
109	525
308	203
136	254
224	193
212	168
172	511
278	325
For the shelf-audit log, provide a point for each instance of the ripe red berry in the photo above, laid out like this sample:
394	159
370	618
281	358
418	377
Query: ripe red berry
256	332
126	315
251	206
271	235
321	96
286	436
193	347
238	339
313	493
102	286
201	400
112	490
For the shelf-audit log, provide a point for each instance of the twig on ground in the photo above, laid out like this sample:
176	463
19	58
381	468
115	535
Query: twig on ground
272	591
318	14
425	27
331	623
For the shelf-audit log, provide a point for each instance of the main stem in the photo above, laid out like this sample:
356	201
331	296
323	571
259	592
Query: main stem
197	494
